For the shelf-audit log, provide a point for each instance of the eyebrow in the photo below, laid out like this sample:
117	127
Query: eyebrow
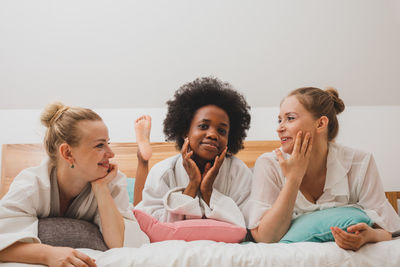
221	124
102	140
288	113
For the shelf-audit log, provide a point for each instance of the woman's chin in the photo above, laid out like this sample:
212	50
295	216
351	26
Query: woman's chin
287	150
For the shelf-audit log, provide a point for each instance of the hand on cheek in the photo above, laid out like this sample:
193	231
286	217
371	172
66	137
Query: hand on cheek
191	169
103	182
295	167
209	175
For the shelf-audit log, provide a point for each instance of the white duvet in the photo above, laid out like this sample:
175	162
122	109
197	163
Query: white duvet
209	253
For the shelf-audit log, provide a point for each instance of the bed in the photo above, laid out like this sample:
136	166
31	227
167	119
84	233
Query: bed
16	157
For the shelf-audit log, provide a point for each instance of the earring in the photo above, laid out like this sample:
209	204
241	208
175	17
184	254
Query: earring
72	166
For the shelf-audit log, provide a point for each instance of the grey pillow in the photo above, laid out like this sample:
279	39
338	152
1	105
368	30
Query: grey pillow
67	232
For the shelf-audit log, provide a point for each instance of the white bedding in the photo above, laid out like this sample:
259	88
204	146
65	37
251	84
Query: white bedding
209	253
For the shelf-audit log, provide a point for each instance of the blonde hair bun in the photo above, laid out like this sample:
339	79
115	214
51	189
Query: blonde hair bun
51	113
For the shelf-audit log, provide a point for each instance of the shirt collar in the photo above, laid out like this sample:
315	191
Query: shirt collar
338	165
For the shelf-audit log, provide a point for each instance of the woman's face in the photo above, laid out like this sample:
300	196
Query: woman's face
91	156
293	117
208	133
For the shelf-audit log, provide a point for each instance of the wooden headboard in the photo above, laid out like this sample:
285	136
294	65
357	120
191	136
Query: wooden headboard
16	157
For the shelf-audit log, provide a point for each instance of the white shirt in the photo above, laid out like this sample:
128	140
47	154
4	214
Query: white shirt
29	198
352	179
163	195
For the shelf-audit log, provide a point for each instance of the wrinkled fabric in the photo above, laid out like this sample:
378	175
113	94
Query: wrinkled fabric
32	196
163	195
352	179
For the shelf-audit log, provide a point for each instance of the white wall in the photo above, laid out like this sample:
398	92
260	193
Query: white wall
127	57
373	129
116	54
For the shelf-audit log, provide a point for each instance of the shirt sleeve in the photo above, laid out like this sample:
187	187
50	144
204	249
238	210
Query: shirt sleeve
18	214
229	207
371	196
165	201
266	186
133	235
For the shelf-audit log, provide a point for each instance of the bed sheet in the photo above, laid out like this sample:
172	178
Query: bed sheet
209	253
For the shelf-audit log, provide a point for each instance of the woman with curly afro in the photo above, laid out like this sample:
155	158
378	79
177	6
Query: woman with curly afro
208	120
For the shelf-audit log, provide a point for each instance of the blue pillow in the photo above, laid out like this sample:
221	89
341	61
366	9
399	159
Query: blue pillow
315	226
131	188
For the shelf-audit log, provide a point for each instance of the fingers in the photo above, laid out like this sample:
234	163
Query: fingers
340	241
76	262
309	147
206	168
185	146
186	154
357	227
297	143
305	144
346	240
220	159
278	153
223	154
84	259
113	168
346	236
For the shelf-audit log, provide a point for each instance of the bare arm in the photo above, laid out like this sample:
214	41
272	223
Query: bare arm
112	222
34	253
276	221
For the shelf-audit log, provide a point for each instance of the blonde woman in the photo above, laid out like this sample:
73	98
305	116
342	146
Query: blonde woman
76	180
311	172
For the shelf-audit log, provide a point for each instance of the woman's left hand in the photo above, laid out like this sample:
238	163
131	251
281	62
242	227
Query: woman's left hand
209	175
356	236
103	182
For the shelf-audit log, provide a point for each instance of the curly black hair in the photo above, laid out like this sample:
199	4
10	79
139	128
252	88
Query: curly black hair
202	92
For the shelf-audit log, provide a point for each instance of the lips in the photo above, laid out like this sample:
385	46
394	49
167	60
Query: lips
105	164
285	139
210	146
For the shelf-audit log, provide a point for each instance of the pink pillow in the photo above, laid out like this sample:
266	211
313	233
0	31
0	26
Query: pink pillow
189	230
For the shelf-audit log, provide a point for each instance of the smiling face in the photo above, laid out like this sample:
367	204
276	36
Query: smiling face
208	133
91	156
293	117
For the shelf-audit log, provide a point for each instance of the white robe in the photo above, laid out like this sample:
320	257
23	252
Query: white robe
163	195
29	198
352	179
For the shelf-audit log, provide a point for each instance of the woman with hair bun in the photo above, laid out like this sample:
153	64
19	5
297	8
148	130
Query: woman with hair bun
77	181
311	172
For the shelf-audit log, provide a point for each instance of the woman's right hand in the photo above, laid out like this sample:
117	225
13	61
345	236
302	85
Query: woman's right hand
294	168
65	256
192	170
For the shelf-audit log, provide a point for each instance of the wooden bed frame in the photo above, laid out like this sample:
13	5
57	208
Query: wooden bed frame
16	157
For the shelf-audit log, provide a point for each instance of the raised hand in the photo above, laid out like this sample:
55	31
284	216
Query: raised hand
294	168
209	175
192	170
